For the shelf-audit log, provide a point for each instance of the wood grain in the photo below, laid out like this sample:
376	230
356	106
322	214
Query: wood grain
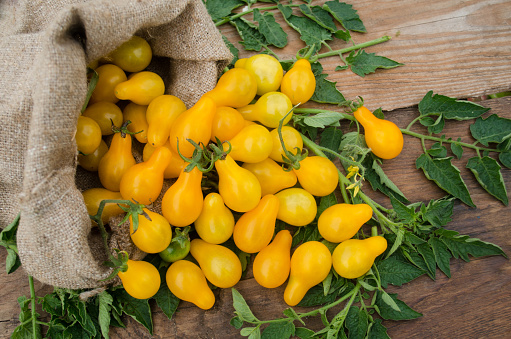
456	48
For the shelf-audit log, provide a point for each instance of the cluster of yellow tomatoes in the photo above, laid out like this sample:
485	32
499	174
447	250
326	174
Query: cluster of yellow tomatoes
241	114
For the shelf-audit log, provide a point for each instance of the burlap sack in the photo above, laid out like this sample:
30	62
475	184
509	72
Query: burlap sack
46	46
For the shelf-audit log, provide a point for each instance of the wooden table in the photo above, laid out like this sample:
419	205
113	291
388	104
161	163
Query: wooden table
457	48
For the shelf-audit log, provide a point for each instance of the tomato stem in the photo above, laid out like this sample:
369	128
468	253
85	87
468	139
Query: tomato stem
452	141
251	10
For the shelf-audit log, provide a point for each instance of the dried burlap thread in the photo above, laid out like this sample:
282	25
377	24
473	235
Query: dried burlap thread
45	49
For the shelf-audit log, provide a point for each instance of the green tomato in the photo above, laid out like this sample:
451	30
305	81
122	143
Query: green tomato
178	248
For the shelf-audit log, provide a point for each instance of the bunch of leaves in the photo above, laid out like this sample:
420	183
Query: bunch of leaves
316	25
89	314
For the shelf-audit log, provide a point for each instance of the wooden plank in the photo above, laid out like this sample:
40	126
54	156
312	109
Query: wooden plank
456	48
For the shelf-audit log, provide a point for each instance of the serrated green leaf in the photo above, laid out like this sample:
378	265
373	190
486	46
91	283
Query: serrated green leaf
457	150
505	159
219	9
320	16
138	309
386	298
343	35
310	32
241	307
384	184
450	108
105	307
9	232
377	330
234	51
404	213
427	254
236	322
439	212
323	119
387	313
446	176
357	322
326	91
331	138
437	126
306	233
251	38
488	175
345	15
341	68
12	261
442	255
316	296
461	246
165	299
491	129
304	333
251	332
396	271
270	29
278	331
363	63
437	150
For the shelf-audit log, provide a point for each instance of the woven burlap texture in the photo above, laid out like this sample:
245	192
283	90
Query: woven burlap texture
46	46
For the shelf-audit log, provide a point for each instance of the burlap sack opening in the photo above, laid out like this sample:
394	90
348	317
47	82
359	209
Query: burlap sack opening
45	49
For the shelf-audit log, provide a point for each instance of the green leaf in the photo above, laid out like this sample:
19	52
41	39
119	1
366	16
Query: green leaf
488	175
270	29
241	307
450	108
306	233
505	159
461	246
219	9
232	49
320	16
310	32
363	63
437	150
251	332
357	322
380	181
323	119
316	296
326	91
105	307
9	232
491	129
386	298
138	309
304	333
377	330
279	330
252	39
12	262
427	254
331	138
165	299
457	150
388	313
446	176
396	271
52	304
442	255
325	202
345	15
404	213
236	322
438	212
